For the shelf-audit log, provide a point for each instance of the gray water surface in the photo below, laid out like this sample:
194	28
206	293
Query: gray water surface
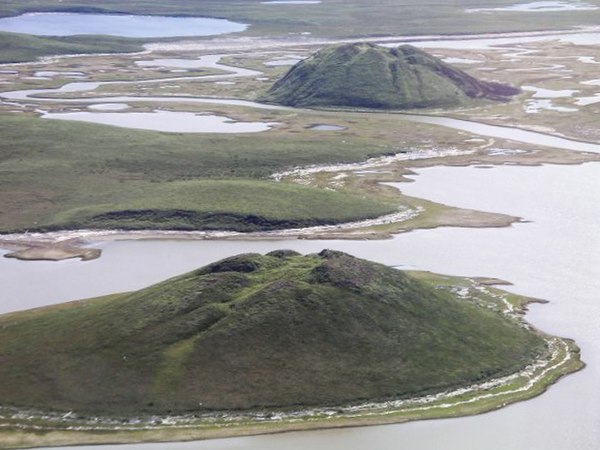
166	121
511	133
69	24
556	256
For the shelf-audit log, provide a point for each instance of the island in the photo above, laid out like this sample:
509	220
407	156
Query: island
263	343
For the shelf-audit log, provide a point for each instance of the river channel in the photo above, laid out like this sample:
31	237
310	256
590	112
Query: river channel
555	256
121	119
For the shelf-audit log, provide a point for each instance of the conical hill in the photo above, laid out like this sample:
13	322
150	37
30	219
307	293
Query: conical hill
369	76
280	330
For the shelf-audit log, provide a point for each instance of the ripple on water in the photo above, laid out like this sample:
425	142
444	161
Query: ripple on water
291	2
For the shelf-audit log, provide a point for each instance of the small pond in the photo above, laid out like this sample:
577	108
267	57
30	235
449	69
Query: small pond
109	107
167	121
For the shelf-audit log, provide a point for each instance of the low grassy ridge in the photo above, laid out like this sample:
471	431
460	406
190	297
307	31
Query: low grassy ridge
251	331
80	175
371	76
15	48
237	205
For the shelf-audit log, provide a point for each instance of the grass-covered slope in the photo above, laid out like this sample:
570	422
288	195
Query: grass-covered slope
15	47
74	175
234	205
370	76
252	331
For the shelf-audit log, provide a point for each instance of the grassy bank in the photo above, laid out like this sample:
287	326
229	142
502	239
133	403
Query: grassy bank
15	48
80	175
236	205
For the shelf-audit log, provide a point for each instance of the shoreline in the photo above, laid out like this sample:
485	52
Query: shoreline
27	428
69	244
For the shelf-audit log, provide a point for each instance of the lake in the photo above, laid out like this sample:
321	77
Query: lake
166	121
69	24
556	256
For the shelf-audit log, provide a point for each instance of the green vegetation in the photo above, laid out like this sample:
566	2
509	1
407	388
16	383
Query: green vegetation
237	205
334	18
81	175
16	48
370	76
253	331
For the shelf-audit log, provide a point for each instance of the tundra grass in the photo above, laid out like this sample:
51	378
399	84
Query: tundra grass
15	47
236	205
50	429
71	174
254	333
331	17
